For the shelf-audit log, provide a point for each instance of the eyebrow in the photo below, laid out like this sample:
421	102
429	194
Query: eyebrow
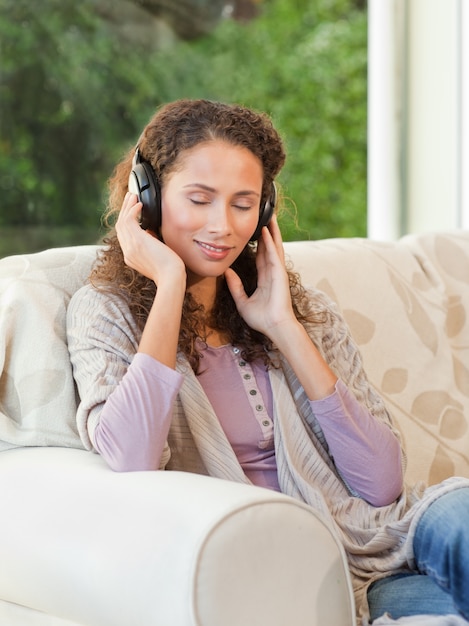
247	192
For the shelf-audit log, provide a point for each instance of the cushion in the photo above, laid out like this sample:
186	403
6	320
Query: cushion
37	393
407	305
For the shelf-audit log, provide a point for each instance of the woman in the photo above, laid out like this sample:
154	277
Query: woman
194	348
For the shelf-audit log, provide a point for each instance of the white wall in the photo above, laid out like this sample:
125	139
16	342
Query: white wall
465	114
418	124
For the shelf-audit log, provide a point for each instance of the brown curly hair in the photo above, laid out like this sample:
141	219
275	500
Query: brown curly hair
174	128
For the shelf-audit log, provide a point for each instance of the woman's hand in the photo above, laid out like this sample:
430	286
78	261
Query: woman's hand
269	308
142	250
155	260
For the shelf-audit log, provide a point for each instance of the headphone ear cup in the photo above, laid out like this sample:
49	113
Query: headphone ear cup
143	183
266	213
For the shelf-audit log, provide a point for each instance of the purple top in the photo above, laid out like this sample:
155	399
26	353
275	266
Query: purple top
365	450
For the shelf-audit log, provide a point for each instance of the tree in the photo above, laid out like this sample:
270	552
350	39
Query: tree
306	64
74	80
62	98
75	91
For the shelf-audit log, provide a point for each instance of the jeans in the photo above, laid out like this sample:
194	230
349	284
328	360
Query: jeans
441	549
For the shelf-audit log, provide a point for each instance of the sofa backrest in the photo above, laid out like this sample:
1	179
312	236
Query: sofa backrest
406	302
407	305
37	393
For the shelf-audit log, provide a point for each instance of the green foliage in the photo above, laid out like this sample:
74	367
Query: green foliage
69	99
305	63
73	96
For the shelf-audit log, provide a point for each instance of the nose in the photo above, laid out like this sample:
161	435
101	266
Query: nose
219	219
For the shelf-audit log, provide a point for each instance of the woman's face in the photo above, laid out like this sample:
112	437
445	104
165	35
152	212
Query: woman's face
210	206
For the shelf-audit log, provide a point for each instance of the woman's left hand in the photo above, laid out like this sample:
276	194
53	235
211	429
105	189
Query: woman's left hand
270	306
269	310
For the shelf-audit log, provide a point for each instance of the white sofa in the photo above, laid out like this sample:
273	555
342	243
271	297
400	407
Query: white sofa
82	545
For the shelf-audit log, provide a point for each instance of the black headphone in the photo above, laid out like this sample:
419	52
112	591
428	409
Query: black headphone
144	184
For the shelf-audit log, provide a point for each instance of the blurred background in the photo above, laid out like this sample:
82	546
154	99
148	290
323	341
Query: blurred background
78	81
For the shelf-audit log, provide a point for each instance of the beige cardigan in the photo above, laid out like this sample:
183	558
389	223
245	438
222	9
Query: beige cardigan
378	541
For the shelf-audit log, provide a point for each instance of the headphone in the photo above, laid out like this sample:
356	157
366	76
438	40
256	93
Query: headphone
144	184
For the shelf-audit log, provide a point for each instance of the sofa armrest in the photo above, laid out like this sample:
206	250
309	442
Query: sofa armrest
84	544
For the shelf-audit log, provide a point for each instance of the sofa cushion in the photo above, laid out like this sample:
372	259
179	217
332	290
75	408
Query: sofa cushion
407	304
37	392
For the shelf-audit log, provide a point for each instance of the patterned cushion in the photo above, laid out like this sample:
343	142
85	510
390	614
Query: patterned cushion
407	305
37	393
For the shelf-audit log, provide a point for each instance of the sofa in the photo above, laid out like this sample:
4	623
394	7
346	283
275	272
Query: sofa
83	545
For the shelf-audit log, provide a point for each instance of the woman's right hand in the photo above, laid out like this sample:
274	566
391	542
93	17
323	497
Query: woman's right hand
149	256
142	250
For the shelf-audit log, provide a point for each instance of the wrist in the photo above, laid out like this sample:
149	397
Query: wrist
313	372
171	278
172	287
284	332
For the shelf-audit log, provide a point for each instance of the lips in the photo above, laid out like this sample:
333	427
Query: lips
213	251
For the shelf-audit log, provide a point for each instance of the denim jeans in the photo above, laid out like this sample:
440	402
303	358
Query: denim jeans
441	548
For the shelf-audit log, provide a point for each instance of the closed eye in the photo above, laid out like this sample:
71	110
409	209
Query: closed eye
243	207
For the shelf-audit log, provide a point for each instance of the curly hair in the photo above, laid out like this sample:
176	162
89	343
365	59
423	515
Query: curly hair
173	129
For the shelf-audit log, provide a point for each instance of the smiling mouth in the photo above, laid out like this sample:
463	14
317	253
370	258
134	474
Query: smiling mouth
213	248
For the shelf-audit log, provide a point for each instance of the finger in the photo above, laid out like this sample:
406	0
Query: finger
272	249
130	211
277	236
235	286
261	253
129	201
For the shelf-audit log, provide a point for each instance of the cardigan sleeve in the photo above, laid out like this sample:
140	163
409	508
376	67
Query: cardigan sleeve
366	452
377	440
125	398
132	430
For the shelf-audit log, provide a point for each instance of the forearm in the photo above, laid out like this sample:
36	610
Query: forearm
314	374
134	422
161	333
365	450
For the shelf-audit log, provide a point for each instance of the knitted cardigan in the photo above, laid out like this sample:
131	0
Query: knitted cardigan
103	338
